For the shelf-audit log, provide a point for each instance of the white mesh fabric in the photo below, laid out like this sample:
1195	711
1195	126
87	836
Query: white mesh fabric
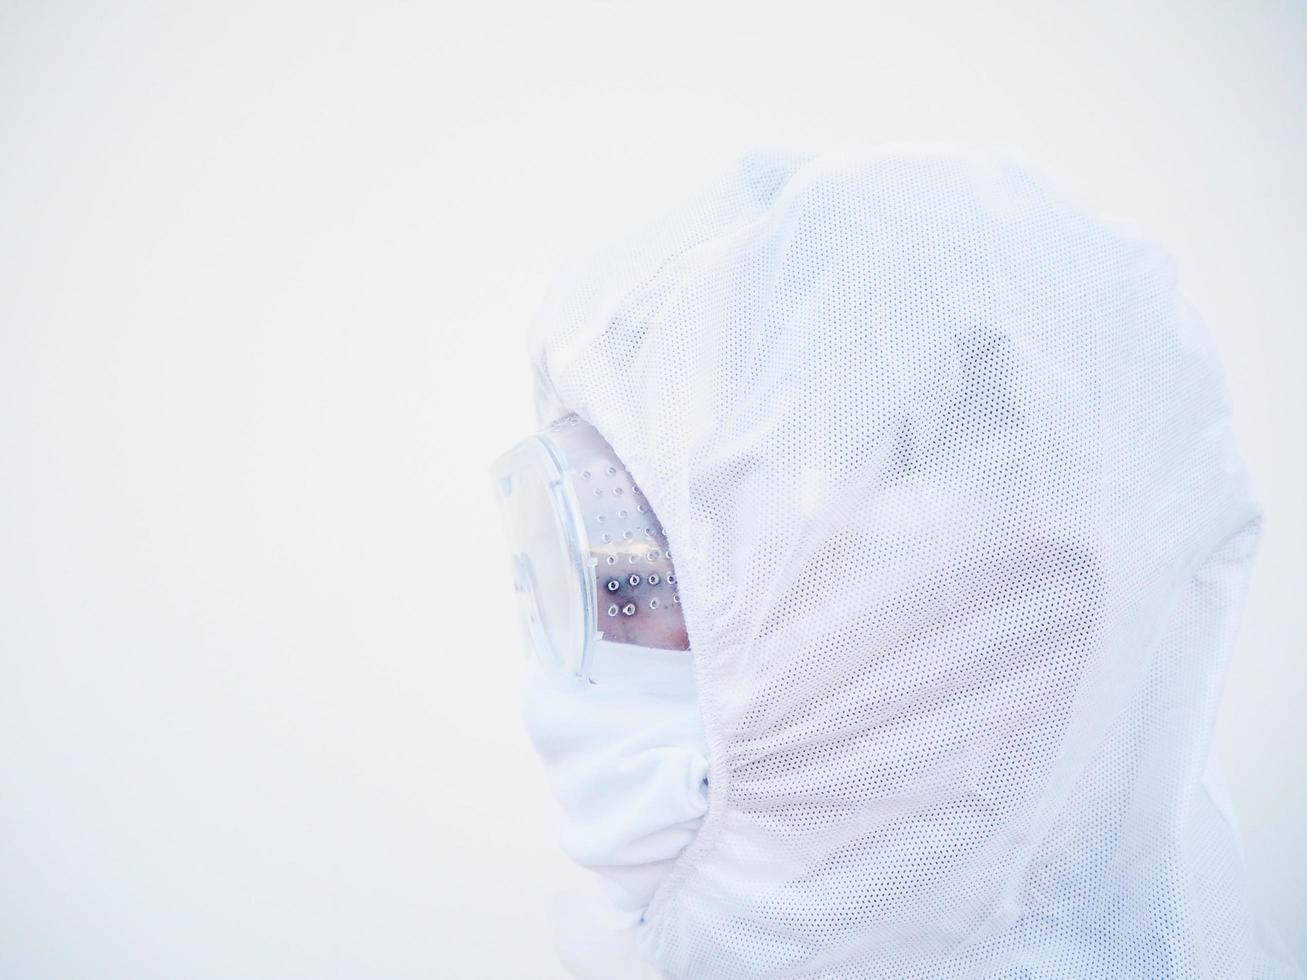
962	535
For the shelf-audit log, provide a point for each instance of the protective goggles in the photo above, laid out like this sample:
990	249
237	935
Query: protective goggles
594	579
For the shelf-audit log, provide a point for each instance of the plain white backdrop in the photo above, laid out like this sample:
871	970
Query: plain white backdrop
265	273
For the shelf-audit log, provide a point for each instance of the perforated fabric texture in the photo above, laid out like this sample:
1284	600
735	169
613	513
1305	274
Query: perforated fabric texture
962	537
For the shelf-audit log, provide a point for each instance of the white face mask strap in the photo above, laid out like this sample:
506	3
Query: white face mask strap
664	672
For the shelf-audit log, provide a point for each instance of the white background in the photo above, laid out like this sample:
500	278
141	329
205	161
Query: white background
264	278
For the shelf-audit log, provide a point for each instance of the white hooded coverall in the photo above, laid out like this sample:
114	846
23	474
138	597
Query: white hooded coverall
962	536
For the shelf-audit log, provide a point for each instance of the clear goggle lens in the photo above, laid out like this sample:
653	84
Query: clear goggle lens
590	561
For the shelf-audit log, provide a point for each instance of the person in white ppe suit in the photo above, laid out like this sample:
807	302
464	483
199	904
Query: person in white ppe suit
884	550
